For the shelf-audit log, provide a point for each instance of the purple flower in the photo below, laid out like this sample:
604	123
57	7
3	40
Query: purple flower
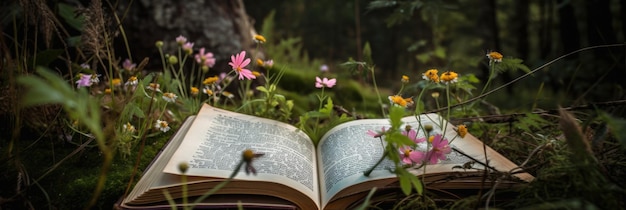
84	81
239	64
128	65
440	148
205	59
320	83
324	68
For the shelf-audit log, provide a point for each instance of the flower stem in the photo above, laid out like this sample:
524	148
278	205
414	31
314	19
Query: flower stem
369	171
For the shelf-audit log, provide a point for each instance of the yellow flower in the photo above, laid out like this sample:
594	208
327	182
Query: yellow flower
259	39
132	81
431	138
435	94
228	94
405	79
256	73
431	75
449	76
398	100
107	91
116	82
461	130
495	56
210	80
207	91
259	62
194	91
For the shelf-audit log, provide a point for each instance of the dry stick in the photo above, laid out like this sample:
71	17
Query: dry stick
527	74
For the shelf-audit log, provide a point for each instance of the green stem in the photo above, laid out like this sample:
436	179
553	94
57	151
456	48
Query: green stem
369	171
380	100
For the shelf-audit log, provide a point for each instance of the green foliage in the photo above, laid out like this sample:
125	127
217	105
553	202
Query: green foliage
530	122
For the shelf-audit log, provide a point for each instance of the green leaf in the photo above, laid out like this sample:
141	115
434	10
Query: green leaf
44	58
616	126
417	184
68	13
328	108
395	116
405	184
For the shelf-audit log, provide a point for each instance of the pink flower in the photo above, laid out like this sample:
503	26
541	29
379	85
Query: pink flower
239	64
181	40
410	156
376	134
128	65
188	47
320	83
84	81
412	134
205	59
440	148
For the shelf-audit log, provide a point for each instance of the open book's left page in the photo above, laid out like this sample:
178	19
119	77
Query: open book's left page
213	145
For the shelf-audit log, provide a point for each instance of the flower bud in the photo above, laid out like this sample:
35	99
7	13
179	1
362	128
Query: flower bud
159	44
172	59
428	128
183	167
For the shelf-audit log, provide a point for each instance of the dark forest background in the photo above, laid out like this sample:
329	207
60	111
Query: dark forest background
409	37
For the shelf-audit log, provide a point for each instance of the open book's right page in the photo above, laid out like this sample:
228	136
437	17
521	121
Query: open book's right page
346	151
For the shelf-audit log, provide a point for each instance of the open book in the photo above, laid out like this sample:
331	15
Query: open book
294	173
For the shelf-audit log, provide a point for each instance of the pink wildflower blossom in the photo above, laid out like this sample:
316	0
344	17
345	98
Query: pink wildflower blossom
188	47
84	81
440	148
205	59
376	134
239	64
128	65
410	156
181	40
412	134
319	83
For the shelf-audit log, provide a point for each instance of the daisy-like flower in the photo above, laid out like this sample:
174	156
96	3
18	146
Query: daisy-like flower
431	75
169	97
84	81
268	63
449	77
410	156
376	134
320	83
128	65
181	40
256	73
94	78
162	125
205	59
405	79
259	39
154	87
188	48
210	80
116	82
239	64
128	128
248	156
194	91
108	91
461	130
228	94
440	148
207	91
132	81
398	100
494	56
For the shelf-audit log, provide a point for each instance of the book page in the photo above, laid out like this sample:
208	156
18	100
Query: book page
214	144
346	151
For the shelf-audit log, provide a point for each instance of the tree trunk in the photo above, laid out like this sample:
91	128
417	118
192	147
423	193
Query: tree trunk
521	27
220	26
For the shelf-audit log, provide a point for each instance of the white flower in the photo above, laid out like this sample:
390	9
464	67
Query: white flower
129	128
169	97
162	125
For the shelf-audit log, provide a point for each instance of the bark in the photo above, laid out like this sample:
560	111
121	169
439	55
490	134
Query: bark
220	26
